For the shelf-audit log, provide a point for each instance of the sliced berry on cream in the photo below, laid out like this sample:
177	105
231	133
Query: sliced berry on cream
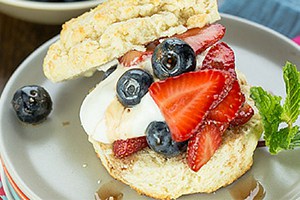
202	146
243	115
185	100
124	148
134	57
198	38
228	108
202	38
220	56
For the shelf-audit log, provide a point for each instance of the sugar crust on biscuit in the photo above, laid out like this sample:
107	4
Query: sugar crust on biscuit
115	27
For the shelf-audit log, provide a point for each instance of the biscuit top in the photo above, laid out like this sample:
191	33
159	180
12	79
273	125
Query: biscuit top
115	27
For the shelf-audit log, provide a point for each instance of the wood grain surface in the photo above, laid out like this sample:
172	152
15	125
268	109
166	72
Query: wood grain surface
17	40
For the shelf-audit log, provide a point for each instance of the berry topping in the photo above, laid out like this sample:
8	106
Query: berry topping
152	45
173	57
132	86
159	140
202	38
220	56
243	115
32	104
134	57
198	106
185	100
202	146
228	108
124	148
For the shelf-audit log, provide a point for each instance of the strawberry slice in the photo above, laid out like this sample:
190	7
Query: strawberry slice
134	57
202	38
220	56
202	146
228	108
152	45
185	100
199	39
124	148
244	115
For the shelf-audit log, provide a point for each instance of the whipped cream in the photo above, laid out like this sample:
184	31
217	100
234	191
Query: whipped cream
105	119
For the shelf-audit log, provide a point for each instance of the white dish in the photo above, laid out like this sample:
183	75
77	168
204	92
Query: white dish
54	160
45	12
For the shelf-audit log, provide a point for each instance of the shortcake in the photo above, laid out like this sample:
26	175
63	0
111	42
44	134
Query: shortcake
172	115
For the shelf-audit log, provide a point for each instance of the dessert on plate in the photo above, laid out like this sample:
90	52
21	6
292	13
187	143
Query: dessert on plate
172	115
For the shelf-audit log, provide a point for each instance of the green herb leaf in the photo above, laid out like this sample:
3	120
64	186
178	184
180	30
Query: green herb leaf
270	111
295	142
291	105
273	114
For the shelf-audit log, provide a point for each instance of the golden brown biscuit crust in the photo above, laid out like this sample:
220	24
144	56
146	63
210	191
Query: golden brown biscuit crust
115	27
169	178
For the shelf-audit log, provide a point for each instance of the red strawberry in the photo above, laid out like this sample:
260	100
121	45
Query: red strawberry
124	148
244	115
185	100
202	146
151	46
134	57
220	56
228	108
202	38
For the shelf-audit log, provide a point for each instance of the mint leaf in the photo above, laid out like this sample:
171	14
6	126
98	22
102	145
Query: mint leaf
280	140
284	139
291	105
273	114
295	142
269	109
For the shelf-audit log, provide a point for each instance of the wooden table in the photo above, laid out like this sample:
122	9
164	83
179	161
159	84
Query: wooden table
17	40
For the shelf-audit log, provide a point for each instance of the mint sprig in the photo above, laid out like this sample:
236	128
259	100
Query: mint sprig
275	115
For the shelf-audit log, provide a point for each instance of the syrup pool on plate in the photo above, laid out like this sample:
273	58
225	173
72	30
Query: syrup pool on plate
247	188
110	190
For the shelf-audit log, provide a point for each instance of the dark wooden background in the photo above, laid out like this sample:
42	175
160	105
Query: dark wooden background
17	40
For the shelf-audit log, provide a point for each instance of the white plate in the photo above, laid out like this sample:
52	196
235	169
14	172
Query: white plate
54	160
46	12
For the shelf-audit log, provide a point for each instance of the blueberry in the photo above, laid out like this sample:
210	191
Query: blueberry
159	140
132	86
32	104
173	57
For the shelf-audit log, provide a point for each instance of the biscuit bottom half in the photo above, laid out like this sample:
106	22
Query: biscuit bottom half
168	178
